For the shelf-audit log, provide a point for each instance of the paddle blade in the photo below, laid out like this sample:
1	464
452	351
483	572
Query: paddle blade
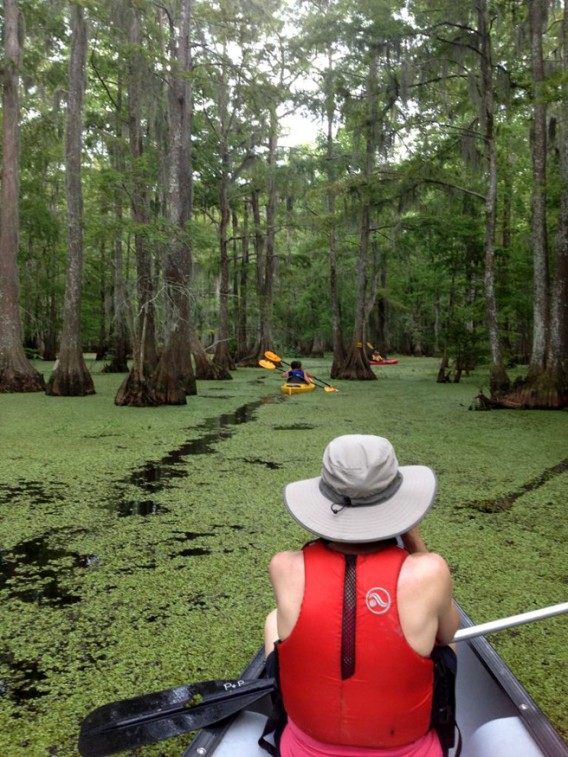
267	364
329	389
273	356
135	722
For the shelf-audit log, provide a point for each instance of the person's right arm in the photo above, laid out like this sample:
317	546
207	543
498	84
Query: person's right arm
441	579
448	615
287	578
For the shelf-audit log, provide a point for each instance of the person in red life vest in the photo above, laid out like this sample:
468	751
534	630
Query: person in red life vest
360	610
296	374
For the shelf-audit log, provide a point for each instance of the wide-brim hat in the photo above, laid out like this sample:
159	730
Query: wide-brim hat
363	494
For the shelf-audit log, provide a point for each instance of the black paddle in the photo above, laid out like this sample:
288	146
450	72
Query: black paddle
146	719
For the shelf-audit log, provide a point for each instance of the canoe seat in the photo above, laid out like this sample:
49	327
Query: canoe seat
242	737
502	737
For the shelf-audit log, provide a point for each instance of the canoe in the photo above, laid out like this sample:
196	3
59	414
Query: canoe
297	388
495	714
393	361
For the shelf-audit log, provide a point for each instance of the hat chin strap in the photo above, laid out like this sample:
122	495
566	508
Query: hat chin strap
339	501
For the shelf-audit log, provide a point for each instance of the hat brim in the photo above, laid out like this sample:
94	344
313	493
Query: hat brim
395	516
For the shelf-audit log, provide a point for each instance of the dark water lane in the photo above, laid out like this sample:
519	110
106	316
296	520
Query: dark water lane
33	571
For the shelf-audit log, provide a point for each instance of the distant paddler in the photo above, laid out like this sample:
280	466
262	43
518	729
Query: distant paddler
297	375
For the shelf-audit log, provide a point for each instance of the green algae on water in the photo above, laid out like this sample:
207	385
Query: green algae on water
129	567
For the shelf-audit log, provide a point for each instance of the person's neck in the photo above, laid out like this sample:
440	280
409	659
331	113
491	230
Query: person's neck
359	548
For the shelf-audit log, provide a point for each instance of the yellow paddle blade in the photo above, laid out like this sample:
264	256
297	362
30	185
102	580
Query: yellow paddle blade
267	364
273	356
330	389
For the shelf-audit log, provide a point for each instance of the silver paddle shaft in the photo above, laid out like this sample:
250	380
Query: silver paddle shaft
511	621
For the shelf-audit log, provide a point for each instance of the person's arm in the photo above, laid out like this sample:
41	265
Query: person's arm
287	579
413	541
448	615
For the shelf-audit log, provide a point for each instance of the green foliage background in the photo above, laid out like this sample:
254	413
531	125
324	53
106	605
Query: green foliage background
151	617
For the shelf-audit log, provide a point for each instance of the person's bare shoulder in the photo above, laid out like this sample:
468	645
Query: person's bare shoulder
283	563
428	569
428	576
428	561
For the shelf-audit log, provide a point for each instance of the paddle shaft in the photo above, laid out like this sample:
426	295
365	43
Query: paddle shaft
144	720
510	622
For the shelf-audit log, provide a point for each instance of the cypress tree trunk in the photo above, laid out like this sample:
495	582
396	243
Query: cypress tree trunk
119	328
265	251
336	332
259	347
547	382
174	377
16	372
222	356
242	320
356	365
136	389
537	17
71	377
498	379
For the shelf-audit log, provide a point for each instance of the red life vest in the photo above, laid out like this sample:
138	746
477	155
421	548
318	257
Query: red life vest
386	699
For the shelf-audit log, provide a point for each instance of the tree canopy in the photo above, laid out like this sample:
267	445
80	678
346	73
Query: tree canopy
159	214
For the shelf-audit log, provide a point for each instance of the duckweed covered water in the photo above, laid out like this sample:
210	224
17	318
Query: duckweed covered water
134	543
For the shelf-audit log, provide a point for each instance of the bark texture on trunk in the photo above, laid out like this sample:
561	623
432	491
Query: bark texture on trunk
16	372
546	386
338	345
119	325
174	378
498	379
136	389
537	15
71	377
356	365
262	343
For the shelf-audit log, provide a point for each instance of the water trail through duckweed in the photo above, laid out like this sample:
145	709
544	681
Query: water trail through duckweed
502	504
23	682
34	492
32	572
153	477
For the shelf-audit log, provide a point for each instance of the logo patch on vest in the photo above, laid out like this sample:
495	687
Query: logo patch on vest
378	600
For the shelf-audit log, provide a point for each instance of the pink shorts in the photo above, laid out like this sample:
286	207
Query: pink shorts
296	743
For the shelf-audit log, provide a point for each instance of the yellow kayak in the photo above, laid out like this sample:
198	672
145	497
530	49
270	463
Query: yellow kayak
297	388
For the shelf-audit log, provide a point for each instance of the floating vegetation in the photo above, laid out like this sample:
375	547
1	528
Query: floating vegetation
137	559
32	572
24	682
34	492
502	504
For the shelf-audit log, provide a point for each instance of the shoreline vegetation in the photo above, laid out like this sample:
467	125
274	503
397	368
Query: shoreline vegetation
135	542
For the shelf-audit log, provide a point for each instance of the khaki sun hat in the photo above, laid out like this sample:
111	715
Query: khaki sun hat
362	494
